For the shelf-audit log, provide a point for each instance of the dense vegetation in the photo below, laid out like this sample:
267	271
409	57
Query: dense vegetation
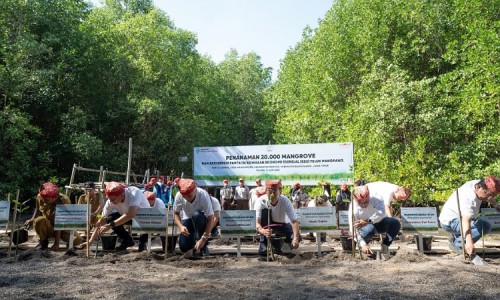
414	84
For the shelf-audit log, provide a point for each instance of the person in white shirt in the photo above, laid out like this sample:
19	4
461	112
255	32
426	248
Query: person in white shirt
226	196
120	208
388	192
197	217
154	203
370	219
242	195
253	194
275	215
470	195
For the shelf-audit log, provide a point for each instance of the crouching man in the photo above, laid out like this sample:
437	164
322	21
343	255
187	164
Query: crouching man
124	201
370	219
197	218
276	216
44	217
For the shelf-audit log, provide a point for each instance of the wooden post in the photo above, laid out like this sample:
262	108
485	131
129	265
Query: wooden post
352	227
13	225
166	233
129	165
72	178
87	197
461	229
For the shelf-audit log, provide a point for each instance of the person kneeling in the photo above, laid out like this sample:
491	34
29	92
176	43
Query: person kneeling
276	216
370	219
197	218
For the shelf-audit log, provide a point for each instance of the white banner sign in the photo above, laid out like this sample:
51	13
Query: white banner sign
419	218
238	222
4	212
344	219
71	216
306	163
150	220
493	216
317	218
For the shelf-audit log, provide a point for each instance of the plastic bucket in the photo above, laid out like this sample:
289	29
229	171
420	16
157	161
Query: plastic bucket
346	242
172	241
108	242
427	243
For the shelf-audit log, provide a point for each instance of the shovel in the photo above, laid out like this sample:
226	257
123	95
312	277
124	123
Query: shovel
476	260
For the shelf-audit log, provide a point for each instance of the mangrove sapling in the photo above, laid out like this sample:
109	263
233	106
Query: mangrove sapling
19	208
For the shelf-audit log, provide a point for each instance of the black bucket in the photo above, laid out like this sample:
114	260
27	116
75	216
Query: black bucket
108	242
427	243
346	242
20	236
172	241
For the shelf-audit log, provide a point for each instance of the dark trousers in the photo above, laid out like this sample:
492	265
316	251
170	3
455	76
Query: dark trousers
280	230
120	231
196	226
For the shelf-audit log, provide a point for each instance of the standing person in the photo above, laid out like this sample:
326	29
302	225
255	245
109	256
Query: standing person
163	189
226	196
370	219
169	194
343	198
43	218
254	195
470	195
326	190
241	195
388	192
153	203
300	198
282	216
120	208
158	189
197	217
96	202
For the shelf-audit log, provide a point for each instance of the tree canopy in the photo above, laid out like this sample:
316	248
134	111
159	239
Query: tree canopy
415	85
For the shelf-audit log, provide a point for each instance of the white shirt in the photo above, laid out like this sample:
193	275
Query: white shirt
215	204
253	198
226	192
383	191
375	211
469	203
159	204
201	202
241	193
133	197
283	212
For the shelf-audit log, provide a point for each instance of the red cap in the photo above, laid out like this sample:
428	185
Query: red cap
272	183
297	185
48	190
149	195
114	188
162	178
186	186
153	180
169	183
176	180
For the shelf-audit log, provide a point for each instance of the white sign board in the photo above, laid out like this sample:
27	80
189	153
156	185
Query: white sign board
4	212
237	222
150	220
344	219
419	218
493	216
307	163
317	218
71	217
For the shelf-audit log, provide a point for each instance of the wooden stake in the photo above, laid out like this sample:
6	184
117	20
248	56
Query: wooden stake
87	197
460	224
166	232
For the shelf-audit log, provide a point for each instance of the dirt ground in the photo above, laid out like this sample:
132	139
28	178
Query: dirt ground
408	274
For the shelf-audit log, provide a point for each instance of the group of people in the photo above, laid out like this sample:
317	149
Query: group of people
196	213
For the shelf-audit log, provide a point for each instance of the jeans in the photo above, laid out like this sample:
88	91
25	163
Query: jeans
389	226
196	226
282	230
477	227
